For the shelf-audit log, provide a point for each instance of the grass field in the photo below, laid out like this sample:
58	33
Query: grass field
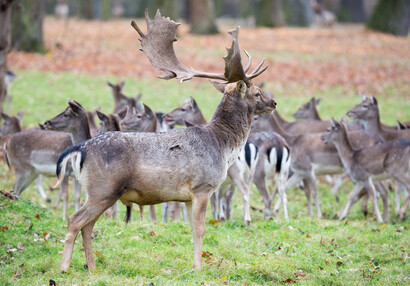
302	250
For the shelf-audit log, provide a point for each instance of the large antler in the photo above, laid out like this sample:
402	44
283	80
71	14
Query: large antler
157	45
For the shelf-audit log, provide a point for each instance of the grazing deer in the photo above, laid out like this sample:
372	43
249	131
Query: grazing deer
180	165
190	114
368	113
311	157
121	100
364	166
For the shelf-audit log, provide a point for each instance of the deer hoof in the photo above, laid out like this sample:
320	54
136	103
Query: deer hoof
247	222
48	200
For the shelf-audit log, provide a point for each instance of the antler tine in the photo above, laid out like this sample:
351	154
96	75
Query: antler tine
157	45
257	71
249	61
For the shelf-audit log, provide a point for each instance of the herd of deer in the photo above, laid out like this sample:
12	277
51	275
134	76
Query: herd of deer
245	142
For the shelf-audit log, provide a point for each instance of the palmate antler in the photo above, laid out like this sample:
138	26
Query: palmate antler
157	45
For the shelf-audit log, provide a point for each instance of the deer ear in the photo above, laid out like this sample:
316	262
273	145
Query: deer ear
5	116
101	116
19	115
241	88
317	101
138	97
334	123
193	104
363	96
123	112
110	84
373	100
220	86
75	107
400	126
122	84
148	111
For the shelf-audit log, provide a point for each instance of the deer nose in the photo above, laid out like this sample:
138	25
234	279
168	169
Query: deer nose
47	125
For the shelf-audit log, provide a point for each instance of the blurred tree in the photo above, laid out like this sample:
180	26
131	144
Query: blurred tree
391	16
5	45
269	13
352	11
202	17
301	12
168	8
86	9
27	25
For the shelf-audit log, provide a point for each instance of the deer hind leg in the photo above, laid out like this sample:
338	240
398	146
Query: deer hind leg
39	185
174	210
364	202
23	180
152	215
260	182
371	190
400	188
353	198
381	189
84	217
65	194
77	194
214	205
244	188
228	204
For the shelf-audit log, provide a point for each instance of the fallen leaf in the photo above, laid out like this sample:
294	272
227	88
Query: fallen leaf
152	233
339	263
400	229
158	257
8	195
327	261
16	274
307	235
288	281
224	278
20	246
166	271
5	227
37	216
206	254
214	221
300	273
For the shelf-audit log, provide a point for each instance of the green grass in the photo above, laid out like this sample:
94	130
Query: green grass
328	252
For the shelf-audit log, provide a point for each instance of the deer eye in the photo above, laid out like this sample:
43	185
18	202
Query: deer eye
183	109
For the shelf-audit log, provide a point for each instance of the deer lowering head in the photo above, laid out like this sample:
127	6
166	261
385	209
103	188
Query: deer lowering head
189	112
184	165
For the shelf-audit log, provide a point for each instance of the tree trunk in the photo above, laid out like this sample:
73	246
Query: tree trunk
391	16
5	45
302	13
27	26
202	17
168	8
270	13
352	11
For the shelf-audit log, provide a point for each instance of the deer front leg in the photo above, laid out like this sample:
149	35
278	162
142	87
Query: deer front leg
214	205
152	215
39	185
198	212
77	194
260	183
371	190
353	198
381	189
64	191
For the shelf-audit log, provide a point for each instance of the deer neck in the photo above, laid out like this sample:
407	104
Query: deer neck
81	133
231	124
345	151
199	118
278	127
373	125
314	115
279	118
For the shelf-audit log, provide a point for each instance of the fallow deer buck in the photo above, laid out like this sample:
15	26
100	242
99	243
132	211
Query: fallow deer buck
368	113
311	157
240	173
367	165
180	165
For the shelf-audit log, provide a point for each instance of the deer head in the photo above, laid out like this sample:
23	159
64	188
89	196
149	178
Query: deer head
366	110
139	120
335	132
11	124
109	122
189	111
307	110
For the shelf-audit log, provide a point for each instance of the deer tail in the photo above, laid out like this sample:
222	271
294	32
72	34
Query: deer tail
76	156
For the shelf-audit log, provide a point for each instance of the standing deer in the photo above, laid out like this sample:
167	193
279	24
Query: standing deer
12	125
367	165
180	165
308	110
367	112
